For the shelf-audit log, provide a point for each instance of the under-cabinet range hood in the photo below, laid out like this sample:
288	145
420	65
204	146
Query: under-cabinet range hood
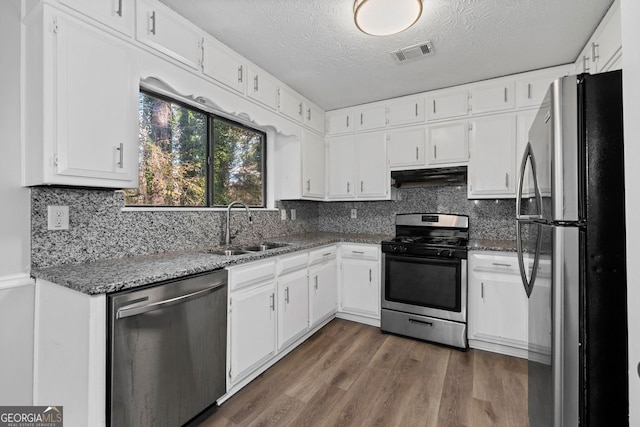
435	176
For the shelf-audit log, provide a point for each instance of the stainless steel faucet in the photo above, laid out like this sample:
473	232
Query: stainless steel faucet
227	239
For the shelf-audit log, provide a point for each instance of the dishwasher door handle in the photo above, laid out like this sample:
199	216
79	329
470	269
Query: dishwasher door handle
128	312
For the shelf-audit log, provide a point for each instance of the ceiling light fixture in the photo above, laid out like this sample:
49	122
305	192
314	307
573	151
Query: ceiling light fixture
386	17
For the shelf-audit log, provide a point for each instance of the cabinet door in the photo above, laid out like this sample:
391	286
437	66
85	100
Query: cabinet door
492	98
405	112
166	31
313	165
314	117
406	147
371	165
224	65
501	310
371	118
448	143
446	105
252	327
606	48
117	14
360	287
531	92
101	141
525	119
263	88
341	167
290	104
340	121
492	171
293	307
323	291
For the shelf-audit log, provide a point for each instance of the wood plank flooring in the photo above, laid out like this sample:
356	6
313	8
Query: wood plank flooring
350	374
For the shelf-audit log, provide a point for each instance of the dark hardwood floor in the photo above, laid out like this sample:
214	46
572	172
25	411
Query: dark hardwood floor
349	374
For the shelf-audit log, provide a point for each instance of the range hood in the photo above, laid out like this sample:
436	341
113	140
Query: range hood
435	176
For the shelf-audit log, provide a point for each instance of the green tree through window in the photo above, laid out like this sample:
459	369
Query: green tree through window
174	145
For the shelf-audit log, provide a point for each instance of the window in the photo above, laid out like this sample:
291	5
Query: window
188	157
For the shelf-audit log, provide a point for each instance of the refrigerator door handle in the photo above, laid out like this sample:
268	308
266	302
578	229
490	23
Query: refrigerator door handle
528	155
528	283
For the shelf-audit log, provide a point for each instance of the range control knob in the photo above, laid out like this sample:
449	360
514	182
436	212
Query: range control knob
451	253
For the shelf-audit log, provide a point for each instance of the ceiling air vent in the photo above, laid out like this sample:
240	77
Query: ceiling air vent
412	52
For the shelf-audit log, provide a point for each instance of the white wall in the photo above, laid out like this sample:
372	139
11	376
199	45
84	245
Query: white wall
16	289
631	84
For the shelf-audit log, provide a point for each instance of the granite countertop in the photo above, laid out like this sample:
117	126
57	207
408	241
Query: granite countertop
114	275
492	245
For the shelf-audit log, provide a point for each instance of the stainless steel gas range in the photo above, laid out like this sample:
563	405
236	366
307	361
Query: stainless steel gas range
424	292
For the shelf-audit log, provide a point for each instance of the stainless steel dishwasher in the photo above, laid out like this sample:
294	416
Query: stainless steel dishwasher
167	350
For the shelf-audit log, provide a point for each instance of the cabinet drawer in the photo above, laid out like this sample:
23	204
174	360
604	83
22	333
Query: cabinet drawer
289	263
360	252
252	273
496	264
322	254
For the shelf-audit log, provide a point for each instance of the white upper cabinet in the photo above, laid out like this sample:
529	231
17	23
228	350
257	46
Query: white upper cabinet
492	170
164	30
263	88
290	104
492	97
117	14
530	92
448	143
372	180
406	147
313	165
314	117
405	111
341	172
603	51
340	121
224	65
448	104
67	64
371	118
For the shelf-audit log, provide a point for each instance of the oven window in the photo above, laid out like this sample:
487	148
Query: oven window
425	282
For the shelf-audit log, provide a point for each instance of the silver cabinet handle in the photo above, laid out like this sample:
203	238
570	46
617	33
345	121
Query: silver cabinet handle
361	186
347	121
370	276
272	303
153	22
286	295
357	252
240	74
505	94
501	264
325	254
120	149
416	109
279	97
316	285
361	118
255	83
529	90
128	312
595	47
119	10
417	148
348	186
309	114
300	109
434	106
482	290
309	185
506	180
435	152
585	64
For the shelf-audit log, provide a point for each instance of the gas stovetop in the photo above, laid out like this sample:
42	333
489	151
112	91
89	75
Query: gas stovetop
430	235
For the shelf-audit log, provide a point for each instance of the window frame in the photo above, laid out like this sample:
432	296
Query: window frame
209	150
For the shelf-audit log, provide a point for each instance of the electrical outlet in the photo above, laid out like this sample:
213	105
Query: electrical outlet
283	214
293	214
57	217
354	213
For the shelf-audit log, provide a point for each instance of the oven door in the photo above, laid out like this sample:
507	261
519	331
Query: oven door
435	287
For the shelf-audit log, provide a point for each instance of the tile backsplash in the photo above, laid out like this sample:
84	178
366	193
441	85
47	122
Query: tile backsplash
100	229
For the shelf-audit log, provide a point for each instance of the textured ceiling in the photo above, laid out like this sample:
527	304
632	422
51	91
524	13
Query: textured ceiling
314	47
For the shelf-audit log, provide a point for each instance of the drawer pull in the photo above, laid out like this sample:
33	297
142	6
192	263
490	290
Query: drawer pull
421	322
501	264
327	254
357	252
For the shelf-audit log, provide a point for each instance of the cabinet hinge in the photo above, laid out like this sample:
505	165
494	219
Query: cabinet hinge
54	26
470	127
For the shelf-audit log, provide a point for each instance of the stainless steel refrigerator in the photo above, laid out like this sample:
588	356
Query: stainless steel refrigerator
570	213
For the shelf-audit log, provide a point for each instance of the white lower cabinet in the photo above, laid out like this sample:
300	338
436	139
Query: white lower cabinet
252	328
323	291
293	307
498	315
360	280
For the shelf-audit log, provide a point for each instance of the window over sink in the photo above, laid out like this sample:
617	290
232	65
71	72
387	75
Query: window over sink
189	157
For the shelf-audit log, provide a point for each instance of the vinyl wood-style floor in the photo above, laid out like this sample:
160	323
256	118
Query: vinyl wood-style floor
349	374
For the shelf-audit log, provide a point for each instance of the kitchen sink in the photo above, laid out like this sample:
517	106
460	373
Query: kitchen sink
229	252
265	246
